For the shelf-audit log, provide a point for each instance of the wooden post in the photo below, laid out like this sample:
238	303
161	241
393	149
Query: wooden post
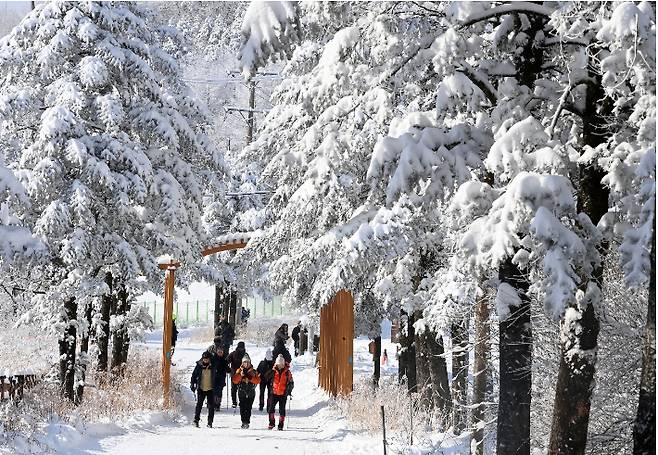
336	344
170	270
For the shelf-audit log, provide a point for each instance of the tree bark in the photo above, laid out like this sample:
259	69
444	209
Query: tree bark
83	359
580	326
218	306
423	380
482	347
103	331
120	338
439	375
459	374
67	345
407	361
375	357
644	430
515	348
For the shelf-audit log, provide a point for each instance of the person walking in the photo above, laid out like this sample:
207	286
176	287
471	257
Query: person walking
384	358
281	334
202	383
281	349
295	336
264	369
246	379
226	332
234	360
222	367
174	338
282	385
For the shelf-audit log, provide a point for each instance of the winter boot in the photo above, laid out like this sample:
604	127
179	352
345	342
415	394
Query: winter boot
281	419
196	423
209	424
245	426
271	425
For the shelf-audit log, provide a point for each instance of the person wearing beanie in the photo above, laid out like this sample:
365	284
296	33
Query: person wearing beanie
220	363
203	384
264	370
246	379
234	360
282	385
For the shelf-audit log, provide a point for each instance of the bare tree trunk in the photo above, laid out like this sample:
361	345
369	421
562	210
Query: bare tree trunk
103	331
580	326
376	356
423	379
459	374
439	375
67	346
515	347
644	430
120	338
83	359
218	306
407	361
482	347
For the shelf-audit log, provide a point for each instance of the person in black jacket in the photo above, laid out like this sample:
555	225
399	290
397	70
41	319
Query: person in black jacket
222	367
202	383
281	334
235	360
295	336
264	369
226	332
174	338
280	348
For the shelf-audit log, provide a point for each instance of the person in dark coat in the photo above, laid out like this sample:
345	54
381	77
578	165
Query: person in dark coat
264	369
282	385
295	336
222	367
246	379
174	338
280	348
234	360
203	383
281	334
227	333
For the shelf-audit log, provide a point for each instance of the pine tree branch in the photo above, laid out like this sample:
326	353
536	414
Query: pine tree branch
480	83
510	8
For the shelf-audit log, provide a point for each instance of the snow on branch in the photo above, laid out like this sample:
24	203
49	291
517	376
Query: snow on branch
510	8
269	30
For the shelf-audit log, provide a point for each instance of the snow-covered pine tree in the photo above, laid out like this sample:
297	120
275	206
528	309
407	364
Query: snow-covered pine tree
108	137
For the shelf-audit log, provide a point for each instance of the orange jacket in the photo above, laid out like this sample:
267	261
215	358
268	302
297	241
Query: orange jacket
250	375
280	380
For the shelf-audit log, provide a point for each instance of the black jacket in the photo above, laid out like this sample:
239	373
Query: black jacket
226	332
280	348
295	333
174	333
264	368
281	334
235	358
196	374
222	367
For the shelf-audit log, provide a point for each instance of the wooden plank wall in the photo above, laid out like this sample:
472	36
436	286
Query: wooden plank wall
337	344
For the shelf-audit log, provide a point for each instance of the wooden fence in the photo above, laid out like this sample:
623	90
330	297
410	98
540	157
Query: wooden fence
337	344
12	387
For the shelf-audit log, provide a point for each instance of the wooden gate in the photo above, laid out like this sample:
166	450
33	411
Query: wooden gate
337	344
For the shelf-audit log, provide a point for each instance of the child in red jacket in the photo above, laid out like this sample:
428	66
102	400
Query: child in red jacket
246	379
282	385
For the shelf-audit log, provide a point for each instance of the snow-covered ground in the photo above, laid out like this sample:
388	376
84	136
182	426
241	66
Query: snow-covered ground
313	427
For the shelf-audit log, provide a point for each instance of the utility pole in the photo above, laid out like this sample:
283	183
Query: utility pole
250	115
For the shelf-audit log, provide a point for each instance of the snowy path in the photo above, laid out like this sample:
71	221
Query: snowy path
312	428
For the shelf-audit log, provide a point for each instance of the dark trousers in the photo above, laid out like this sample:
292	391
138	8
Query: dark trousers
209	397
263	387
273	400
234	394
247	396
218	397
296	344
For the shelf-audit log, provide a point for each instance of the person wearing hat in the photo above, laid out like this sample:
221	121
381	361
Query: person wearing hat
282	385
234	360
246	379
203	383
264	370
219	361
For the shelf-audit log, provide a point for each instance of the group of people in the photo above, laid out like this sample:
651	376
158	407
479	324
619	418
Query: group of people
272	376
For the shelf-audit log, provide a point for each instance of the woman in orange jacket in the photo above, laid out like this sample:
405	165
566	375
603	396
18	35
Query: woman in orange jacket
246	379
282	385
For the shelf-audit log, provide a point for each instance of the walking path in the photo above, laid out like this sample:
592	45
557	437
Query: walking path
312	426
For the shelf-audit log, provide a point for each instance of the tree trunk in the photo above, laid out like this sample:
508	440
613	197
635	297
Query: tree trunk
232	297
480	372
376	356
218	306
407	361
423	379
644	430
103	331
439	375
580	326
83	359
67	345
515	348
459	374
120	339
